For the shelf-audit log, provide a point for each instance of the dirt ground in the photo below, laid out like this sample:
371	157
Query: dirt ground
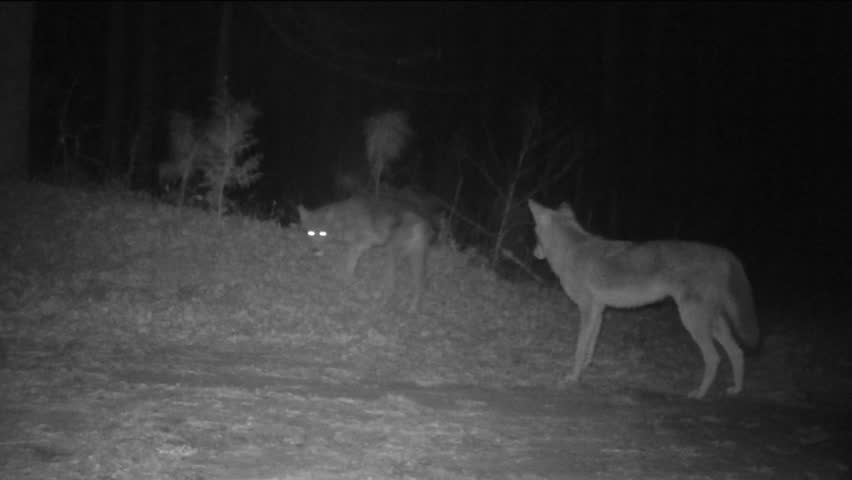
199	413
143	342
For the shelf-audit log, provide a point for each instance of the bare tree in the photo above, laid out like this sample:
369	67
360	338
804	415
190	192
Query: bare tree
141	166
114	103
223	64
545	155
16	24
611	82
187	146
231	160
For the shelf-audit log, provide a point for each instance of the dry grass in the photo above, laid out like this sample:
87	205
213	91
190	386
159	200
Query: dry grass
148	342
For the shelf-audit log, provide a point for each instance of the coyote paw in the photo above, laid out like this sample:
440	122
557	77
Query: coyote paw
696	394
567	380
733	390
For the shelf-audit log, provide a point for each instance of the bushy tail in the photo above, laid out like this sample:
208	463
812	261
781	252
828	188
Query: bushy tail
741	311
386	136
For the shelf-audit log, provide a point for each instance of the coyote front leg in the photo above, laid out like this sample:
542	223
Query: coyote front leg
591	316
352	256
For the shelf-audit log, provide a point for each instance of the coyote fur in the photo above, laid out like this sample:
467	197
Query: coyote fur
708	284
363	222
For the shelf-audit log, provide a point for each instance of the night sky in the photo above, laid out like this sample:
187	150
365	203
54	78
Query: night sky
727	123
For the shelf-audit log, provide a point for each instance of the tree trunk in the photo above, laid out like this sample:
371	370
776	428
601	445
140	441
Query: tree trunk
610	63
16	30
114	104
141	170
611	138
223	64
653	84
703	114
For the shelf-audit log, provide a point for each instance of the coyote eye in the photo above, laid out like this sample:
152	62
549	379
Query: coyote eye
317	233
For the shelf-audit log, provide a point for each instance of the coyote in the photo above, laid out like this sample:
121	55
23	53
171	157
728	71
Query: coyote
363	222
708	284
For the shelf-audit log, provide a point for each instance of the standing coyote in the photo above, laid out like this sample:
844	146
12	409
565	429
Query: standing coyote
363	222
708	284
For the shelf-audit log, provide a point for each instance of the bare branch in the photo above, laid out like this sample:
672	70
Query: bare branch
493	150
456	214
517	261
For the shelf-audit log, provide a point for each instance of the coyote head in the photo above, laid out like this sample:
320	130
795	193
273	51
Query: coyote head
552	225
315	226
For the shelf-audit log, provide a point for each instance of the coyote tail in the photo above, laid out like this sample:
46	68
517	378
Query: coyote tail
387	134
741	309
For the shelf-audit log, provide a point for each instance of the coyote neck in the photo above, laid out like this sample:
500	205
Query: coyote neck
561	252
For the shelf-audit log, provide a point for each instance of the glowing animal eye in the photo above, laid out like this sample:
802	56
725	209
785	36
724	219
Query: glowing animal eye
322	233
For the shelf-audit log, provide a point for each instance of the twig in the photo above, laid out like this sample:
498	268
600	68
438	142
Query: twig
517	261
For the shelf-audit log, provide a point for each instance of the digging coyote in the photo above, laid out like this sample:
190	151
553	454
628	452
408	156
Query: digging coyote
363	222
708	284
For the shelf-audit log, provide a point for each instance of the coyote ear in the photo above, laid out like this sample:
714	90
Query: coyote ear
539	212
564	207
535	208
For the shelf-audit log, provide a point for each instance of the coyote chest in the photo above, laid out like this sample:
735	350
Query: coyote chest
361	223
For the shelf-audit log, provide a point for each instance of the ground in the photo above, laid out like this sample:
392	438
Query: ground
144	341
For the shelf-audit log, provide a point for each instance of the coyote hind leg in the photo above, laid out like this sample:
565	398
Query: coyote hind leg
416	250
417	261
698	320
722	333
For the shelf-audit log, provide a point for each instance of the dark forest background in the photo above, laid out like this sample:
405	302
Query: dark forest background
727	123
